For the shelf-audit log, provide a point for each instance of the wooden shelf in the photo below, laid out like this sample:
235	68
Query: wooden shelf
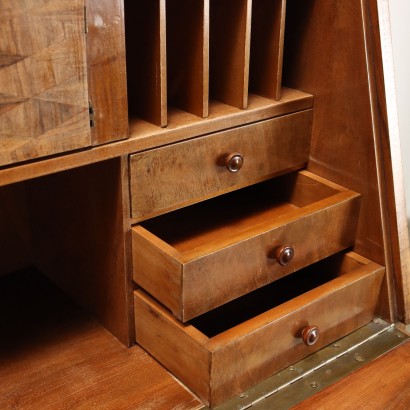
54	356
181	126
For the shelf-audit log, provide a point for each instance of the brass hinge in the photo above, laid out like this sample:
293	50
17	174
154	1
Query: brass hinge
85	20
91	113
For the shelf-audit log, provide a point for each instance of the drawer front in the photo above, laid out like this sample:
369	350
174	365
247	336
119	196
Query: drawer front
204	278
222	366
174	176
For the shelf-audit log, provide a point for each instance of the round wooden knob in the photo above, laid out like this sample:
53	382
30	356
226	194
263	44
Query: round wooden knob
234	162
284	254
310	335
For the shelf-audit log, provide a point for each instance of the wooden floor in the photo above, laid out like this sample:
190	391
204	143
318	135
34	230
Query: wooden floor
53	356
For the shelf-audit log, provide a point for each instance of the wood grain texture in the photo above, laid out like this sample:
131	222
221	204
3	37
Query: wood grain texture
188	55
267	38
43	79
156	268
198	166
107	81
146	60
230	33
182	126
337	311
381	385
53	356
78	240
227	248
243	355
345	139
342	147
179	348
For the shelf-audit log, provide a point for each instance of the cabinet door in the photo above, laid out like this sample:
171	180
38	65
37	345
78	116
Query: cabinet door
43	79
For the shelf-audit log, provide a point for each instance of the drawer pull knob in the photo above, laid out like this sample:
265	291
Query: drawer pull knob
234	162
310	335
284	254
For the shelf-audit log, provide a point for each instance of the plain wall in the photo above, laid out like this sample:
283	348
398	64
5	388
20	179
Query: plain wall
400	29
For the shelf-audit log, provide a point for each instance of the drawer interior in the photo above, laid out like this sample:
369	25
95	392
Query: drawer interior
228	350
276	293
232	214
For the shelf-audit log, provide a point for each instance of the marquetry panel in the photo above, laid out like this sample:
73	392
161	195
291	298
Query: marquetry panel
43	81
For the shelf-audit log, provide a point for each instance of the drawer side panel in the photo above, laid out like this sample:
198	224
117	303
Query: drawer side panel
155	269
177	347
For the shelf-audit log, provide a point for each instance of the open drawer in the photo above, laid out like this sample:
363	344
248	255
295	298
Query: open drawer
232	348
184	173
198	258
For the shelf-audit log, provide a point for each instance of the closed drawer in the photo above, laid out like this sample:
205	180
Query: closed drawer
218	358
197	258
170	177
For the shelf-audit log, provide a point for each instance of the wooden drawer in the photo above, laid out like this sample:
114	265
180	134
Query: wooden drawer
197	258
218	358
170	177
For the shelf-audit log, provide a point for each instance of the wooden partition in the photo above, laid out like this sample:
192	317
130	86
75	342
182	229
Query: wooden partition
78	225
187	55
230	23
267	37
146	60
182	53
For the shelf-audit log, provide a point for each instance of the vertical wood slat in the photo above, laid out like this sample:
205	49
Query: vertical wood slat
267	38
230	24
146	60
43	80
188	55
107	80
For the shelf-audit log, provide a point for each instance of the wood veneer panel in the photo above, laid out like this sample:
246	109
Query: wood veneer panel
107	79
342	147
188	55
230	24
328	53
54	356
80	241
43	79
146	60
267	38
